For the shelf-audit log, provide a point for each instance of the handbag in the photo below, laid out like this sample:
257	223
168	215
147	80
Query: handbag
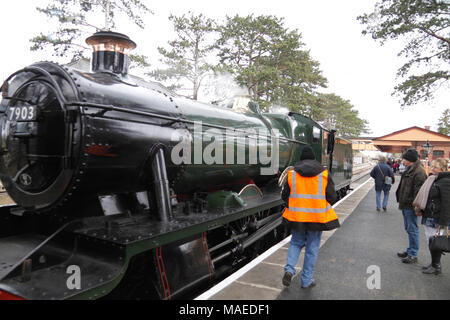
440	243
387	180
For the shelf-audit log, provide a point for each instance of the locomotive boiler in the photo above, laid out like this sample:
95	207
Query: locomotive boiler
137	191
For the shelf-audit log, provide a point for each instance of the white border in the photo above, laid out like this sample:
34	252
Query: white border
230	279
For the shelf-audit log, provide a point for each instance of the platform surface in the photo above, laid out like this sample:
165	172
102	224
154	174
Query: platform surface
350	258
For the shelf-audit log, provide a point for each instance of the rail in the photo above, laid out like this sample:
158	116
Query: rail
360	173
362	167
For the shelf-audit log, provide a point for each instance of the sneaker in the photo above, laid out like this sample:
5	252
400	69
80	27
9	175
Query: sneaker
287	279
409	259
378	209
311	285
384	209
402	254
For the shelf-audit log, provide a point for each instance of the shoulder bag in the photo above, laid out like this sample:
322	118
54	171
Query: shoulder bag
387	180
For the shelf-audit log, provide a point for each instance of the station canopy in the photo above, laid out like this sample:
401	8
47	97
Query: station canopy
413	137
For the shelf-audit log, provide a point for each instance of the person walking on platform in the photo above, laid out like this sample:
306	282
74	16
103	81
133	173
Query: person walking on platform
410	183
384	179
433	204
308	194
395	166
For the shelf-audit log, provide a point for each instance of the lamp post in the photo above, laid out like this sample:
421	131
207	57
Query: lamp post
428	147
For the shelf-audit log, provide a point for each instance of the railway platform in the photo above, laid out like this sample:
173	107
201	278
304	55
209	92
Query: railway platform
357	261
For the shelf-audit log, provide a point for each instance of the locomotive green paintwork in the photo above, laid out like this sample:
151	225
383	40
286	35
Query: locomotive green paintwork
111	243
290	132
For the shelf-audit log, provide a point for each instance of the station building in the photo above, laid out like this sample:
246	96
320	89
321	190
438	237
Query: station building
425	141
363	144
363	150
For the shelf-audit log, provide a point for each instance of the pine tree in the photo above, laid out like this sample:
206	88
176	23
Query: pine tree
444	122
269	61
74	24
186	59
425	25
337	113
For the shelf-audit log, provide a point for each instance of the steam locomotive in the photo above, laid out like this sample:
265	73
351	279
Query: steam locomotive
126	190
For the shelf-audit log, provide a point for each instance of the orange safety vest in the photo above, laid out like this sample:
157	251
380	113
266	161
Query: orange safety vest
307	201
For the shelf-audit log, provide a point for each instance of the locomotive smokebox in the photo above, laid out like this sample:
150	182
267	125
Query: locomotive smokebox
110	52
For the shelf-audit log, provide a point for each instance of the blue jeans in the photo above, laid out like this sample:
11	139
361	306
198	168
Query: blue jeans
300	239
411	227
385	198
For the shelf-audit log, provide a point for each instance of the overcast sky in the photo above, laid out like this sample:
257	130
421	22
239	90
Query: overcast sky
357	68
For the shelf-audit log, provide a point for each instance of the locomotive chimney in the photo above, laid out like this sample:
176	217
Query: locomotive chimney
110	52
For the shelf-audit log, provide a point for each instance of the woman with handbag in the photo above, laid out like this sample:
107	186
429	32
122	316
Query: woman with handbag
433	204
384	179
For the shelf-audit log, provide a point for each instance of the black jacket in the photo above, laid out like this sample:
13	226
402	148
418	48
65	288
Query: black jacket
410	183
438	203
380	171
311	168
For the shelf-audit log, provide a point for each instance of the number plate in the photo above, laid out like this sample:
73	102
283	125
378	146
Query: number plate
23	113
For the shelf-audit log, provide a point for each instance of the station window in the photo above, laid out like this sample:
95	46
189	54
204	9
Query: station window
316	135
325	142
299	131
438	153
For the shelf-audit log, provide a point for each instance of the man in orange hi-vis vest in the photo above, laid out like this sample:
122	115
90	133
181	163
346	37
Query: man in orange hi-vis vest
308	193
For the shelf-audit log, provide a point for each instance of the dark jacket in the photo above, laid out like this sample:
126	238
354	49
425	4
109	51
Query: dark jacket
380	171
410	183
438	203
310	168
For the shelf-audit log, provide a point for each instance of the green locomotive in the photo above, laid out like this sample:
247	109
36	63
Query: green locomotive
125	190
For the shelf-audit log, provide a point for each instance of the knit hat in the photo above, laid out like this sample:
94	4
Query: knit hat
307	154
411	155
